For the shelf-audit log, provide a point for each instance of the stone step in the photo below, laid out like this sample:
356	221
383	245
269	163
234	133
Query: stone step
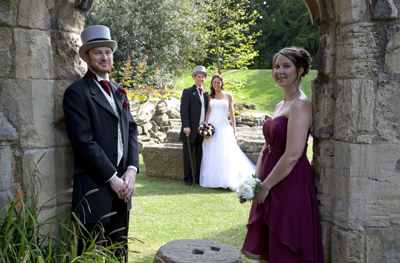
165	160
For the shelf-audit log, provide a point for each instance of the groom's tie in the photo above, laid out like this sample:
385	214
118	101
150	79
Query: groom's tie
105	84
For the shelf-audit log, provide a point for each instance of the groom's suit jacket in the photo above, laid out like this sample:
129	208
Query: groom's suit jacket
92	128
191	111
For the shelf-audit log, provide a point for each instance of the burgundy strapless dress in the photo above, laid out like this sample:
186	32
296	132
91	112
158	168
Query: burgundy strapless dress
287	227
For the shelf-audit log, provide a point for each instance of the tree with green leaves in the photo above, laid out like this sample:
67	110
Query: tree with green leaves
230	41
283	23
168	33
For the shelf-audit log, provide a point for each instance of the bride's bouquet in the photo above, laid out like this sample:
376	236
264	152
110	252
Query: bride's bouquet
206	130
248	189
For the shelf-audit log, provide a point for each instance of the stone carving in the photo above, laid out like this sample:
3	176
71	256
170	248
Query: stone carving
197	251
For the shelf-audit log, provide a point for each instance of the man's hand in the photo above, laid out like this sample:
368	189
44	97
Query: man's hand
128	187
116	184
186	131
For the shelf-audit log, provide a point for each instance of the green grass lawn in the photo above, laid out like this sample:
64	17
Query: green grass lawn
166	210
260	89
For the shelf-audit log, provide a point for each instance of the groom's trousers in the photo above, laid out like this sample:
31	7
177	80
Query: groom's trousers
198	152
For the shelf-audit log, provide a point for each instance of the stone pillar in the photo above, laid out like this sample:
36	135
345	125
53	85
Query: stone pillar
356	129
39	41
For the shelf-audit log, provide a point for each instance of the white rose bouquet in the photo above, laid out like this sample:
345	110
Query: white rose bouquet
206	130
248	189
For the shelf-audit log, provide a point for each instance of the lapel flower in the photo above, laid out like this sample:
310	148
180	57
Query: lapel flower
122	92
206	92
126	104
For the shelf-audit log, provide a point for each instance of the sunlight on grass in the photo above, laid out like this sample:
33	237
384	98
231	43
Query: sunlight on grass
166	210
260	90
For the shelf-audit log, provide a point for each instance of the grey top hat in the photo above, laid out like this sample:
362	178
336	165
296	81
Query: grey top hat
96	36
199	69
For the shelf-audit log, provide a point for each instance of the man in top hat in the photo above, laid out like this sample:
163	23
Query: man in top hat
103	135
193	111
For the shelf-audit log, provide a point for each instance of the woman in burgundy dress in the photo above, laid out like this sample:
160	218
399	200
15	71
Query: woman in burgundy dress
284	224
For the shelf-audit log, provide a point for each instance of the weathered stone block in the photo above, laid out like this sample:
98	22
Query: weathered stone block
392	54
324	182
8	12
354	108
326	228
60	130
325	56
366	185
164	160
37	120
323	108
383	9
6	171
356	51
197	251
5	197
31	61
7	131
366	138
383	245
145	128
388	111
161	119
56	169
173	134
67	15
162	107
34	14
350	11
347	246
67	63
250	144
5	54
145	112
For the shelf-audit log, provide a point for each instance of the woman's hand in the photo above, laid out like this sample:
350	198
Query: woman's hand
262	195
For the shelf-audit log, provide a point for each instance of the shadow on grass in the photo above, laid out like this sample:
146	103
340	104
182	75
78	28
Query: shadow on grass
160	186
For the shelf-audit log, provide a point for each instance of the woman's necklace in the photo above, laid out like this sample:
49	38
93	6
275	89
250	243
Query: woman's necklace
289	100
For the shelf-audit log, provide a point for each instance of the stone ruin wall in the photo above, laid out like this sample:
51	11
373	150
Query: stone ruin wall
355	103
39	40
356	106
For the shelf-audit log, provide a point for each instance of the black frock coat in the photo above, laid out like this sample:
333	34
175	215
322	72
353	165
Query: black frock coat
92	128
190	112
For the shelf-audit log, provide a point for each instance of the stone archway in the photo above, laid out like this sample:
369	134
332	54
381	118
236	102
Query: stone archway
356	134
355	105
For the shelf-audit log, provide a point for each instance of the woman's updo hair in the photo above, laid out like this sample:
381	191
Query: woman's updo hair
298	56
212	88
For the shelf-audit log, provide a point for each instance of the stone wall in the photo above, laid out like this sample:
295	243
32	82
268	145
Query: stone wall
356	128
39	40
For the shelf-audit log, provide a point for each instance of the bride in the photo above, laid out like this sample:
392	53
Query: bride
223	164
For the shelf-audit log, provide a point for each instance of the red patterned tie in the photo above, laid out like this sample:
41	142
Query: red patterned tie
105	84
200	90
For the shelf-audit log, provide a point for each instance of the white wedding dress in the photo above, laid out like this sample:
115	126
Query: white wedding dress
223	164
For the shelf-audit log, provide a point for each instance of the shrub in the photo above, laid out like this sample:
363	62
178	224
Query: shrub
25	238
143	83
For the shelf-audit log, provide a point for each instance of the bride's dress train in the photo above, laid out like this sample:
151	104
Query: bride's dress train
223	164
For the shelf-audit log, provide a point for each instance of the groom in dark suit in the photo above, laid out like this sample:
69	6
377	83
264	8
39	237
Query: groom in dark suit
103	135
193	111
